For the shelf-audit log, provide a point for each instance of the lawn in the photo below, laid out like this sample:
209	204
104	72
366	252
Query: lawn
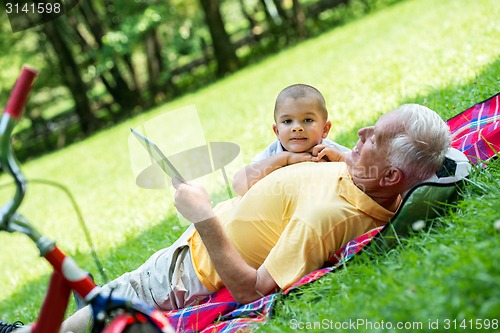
444	54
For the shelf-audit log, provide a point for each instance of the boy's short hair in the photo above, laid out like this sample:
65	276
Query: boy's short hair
301	90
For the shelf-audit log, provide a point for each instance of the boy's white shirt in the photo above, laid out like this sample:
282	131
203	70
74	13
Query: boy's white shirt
276	147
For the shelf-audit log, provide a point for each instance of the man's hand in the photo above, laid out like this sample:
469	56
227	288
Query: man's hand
192	201
324	153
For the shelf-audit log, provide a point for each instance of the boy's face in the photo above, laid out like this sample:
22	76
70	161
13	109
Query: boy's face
300	124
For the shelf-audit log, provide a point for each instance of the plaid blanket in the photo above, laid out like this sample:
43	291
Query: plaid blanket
476	132
222	314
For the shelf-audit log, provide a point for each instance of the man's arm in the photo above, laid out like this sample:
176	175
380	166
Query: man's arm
245	283
246	177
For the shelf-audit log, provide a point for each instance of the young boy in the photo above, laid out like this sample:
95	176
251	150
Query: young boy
301	126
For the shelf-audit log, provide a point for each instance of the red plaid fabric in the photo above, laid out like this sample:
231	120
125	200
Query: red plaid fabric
476	131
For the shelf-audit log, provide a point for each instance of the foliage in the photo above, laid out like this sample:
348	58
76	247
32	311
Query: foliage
108	42
417	51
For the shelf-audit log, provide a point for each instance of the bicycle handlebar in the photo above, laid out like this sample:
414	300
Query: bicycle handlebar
20	92
8	121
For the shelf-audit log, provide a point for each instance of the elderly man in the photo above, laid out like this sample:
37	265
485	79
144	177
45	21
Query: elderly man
289	223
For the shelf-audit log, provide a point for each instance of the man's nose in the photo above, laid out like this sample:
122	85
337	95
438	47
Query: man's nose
363	133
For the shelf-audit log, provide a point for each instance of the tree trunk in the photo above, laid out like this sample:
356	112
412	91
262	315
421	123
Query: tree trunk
298	20
114	20
252	22
158	89
281	11
224	51
123	94
271	17
71	76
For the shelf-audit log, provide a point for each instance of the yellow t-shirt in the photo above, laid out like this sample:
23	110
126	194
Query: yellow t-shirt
292	221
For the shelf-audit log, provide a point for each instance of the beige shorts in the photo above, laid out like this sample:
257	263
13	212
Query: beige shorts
166	281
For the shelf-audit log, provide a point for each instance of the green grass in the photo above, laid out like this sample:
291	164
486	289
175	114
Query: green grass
442	54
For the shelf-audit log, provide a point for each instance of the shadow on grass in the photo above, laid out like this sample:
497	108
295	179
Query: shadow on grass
449	101
454	99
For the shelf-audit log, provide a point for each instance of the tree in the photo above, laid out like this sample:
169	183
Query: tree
71	75
281	11
252	21
224	51
298	20
122	90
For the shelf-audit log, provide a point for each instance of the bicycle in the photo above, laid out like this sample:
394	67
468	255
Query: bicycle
110	314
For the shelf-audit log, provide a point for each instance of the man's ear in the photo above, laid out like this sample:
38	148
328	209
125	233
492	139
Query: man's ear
326	129
392	176
275	129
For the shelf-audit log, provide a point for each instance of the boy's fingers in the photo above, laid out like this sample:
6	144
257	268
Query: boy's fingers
321	154
312	150
316	149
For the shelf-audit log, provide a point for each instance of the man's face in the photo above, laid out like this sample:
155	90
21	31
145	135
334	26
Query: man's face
300	124
367	162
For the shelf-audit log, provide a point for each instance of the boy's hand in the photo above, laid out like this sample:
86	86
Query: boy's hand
293	158
192	201
322	153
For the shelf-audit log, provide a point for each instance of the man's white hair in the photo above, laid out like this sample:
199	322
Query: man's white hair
419	150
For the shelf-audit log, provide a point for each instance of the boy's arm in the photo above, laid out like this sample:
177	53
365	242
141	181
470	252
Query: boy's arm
247	176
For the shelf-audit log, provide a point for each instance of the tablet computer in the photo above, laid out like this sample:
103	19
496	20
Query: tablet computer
158	156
